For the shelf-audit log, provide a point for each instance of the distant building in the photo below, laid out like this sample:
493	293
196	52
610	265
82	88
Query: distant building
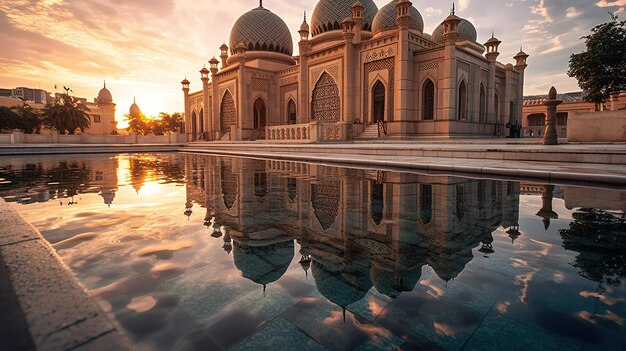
534	112
101	110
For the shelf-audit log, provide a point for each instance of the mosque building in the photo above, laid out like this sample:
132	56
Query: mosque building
360	70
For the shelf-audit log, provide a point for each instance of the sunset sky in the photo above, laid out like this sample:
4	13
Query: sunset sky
144	48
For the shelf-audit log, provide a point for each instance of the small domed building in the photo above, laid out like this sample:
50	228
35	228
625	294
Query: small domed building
358	68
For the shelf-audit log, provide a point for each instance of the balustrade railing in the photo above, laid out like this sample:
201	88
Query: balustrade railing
293	133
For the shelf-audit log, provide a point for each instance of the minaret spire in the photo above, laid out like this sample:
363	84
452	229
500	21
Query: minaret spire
105	83
452	13
260	3
304	16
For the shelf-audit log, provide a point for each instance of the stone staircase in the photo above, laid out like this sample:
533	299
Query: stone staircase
370	132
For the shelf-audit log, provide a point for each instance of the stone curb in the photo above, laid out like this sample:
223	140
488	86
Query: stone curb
499	173
84	149
59	312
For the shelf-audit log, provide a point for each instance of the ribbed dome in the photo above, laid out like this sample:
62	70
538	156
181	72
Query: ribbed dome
261	30
329	14
466	28
386	18
104	96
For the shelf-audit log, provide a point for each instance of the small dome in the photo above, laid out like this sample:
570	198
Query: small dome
261	30
466	29
386	18
329	14
104	96
134	108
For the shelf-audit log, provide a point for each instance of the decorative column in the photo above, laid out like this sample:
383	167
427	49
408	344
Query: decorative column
348	71
492	55
204	76
243	103
546	211
303	81
549	135
185	84
450	36
520	66
403	74
214	101
224	54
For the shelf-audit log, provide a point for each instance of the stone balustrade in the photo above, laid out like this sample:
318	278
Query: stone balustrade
290	133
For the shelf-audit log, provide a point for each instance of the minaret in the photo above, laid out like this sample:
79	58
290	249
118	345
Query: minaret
492	55
349	65
204	76
185	84
520	66
357	17
404	62
214	108
450	36
303	81
224	54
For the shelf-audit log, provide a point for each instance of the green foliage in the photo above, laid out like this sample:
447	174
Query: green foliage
23	118
600	239
163	124
67	115
601	69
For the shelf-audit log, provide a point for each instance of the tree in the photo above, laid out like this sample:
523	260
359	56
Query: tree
66	115
138	123
601	69
171	122
30	119
9	120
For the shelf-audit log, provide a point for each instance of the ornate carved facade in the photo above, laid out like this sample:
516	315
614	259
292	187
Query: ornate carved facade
445	84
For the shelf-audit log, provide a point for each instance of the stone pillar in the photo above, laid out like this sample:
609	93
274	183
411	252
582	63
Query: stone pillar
348	72
185	84
215	106
492	55
450	36
507	113
403	72
204	76
302	115
242	95
549	135
546	211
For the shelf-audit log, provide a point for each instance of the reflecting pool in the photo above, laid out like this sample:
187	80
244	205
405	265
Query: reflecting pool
201	252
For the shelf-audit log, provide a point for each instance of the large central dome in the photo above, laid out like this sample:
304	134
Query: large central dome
329	14
261	30
467	31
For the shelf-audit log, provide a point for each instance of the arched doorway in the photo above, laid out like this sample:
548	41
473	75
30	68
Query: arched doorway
429	100
537	120
482	110
201	123
378	102
228	115
462	115
194	128
326	104
260	114
291	112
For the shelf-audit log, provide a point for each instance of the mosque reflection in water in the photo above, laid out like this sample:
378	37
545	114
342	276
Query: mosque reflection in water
357	229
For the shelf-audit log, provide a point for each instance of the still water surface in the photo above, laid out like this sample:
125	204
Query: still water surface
200	252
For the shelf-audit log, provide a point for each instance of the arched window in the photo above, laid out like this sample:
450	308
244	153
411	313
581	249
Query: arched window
378	101
201	122
326	104
460	202
291	112
428	101
194	126
462	105
260	114
482	110
228	114
496	107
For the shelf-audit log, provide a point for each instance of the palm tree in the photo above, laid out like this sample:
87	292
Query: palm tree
66	115
30	119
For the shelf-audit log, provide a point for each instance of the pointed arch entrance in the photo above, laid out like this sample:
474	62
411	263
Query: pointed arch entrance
291	112
260	114
194	127
228	115
201	123
326	104
462	101
378	102
429	100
